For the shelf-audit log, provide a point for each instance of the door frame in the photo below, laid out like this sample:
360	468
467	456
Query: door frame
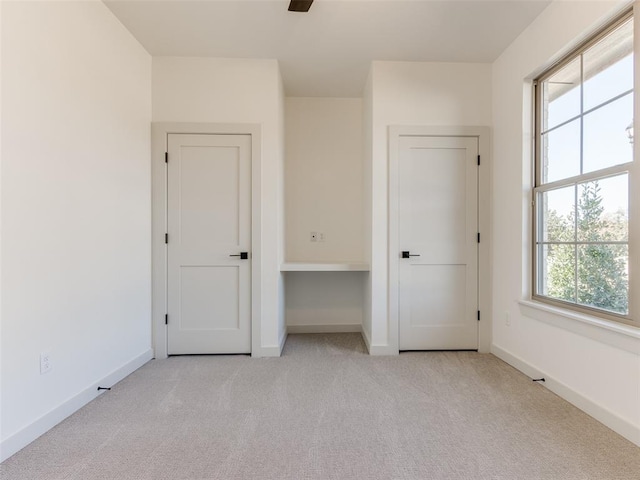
484	224
159	144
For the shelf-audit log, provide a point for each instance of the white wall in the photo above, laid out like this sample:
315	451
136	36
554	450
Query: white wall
598	370
324	301
324	194
239	91
3	451
323	180
367	209
282	320
421	94
76	90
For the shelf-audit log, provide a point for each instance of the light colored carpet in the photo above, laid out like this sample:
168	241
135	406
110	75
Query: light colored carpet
326	410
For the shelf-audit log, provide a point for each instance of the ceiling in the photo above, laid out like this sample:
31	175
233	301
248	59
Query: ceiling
327	51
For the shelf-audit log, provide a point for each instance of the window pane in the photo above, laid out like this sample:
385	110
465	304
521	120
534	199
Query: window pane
608	67
557	269
606	142
557	215
603	212
561	96
561	153
586	121
603	277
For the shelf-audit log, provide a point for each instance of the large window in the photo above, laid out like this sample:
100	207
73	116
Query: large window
584	148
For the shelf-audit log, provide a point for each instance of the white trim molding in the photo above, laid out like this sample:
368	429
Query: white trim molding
274	350
159	133
378	349
28	434
605	416
484	226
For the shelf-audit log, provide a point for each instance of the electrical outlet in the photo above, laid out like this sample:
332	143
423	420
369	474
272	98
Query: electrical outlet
314	236
45	363
321	237
507	319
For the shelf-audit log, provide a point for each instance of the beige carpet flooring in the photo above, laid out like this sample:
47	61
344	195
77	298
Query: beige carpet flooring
326	410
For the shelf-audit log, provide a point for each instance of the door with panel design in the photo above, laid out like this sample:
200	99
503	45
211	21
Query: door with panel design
438	238
209	240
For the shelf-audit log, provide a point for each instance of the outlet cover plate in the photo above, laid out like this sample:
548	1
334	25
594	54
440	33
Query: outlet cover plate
45	363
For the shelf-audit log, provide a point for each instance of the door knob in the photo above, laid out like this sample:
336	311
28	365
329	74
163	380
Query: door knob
406	254
242	255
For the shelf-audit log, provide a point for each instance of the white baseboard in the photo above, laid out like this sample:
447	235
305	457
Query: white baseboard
271	350
340	328
378	350
382	350
616	423
28	434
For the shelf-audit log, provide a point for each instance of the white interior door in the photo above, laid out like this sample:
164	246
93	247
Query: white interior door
209	225
438	227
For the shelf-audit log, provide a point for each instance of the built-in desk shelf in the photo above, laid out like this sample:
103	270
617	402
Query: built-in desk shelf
324	267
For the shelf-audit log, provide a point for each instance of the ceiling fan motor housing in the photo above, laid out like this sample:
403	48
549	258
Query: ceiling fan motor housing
300	5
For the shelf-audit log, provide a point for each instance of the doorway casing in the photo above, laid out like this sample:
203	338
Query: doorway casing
159	136
484	225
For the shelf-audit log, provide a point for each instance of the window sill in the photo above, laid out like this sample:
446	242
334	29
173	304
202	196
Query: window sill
618	335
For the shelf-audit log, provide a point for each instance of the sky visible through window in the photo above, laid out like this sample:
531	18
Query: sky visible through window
606	142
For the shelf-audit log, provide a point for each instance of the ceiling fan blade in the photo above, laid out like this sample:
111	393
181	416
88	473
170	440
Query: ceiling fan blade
300	5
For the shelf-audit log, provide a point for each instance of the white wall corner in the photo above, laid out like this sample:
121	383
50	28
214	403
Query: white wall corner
1	363
283	339
367	339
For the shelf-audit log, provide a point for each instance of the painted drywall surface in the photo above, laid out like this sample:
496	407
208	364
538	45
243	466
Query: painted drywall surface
282	321
414	93
324	179
75	203
367	142
1	69
323	190
212	90
604	374
324	298
422	93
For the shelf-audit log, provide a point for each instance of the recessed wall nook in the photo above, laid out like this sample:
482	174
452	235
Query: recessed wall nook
324	256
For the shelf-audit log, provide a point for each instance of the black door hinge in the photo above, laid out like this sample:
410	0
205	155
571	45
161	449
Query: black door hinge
478	237
166	319
166	238
478	159
478	315
166	157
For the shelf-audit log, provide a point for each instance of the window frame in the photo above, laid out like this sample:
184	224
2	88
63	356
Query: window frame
539	187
